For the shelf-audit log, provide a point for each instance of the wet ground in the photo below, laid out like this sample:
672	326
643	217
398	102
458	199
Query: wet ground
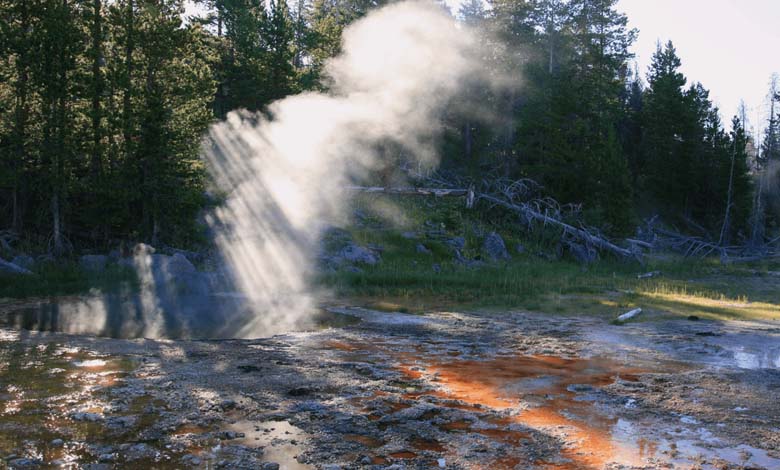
444	390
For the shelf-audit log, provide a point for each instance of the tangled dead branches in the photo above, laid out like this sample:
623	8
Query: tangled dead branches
524	198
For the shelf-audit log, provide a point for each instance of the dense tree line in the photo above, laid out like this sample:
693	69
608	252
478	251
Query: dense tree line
595	131
103	104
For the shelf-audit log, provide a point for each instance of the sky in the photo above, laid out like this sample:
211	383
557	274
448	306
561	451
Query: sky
731	46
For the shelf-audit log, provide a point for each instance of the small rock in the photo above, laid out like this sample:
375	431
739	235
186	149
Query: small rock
270	466
494	247
457	243
57	443
121	422
422	249
107	457
90	417
228	404
191	460
138	452
23	462
689	420
358	254
299	391
230	435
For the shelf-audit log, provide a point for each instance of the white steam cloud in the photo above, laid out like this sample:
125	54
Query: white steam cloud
284	176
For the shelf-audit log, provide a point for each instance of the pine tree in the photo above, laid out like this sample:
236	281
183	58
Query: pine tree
18	114
279	38
569	129
739	190
177	85
244	57
665	108
770	147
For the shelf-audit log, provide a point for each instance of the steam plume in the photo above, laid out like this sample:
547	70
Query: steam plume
284	175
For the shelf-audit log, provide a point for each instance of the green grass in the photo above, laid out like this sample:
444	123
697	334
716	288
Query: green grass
606	288
406	280
64	278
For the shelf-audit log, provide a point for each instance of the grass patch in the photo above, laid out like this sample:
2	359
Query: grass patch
605	289
414	282
64	278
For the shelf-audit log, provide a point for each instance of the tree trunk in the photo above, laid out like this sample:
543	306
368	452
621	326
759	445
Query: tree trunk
467	141
97	88
127	111
724	230
57	245
20	118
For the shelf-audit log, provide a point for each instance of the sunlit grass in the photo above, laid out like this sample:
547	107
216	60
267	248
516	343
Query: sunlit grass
706	305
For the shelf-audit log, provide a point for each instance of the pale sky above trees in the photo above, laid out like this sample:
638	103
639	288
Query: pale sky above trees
730	46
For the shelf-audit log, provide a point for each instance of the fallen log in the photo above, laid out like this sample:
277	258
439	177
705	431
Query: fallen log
11	268
648	275
594	240
437	192
629	315
526	210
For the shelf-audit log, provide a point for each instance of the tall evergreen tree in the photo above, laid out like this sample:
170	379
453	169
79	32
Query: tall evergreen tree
280	41
770	147
664	130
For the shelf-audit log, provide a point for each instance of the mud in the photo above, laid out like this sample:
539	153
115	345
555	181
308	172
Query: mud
444	390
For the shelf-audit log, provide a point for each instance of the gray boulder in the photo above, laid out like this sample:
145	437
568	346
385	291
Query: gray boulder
11	268
93	263
179	274
422	249
168	267
494	248
457	243
179	264
24	261
358	254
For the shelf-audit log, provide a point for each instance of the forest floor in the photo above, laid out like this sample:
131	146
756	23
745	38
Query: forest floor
457	388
